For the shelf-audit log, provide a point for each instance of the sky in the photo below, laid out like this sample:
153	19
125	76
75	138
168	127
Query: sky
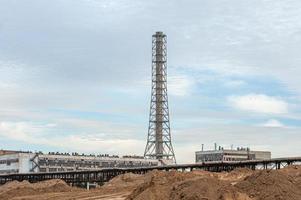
75	75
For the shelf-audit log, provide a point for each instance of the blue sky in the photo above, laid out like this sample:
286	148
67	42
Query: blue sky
75	75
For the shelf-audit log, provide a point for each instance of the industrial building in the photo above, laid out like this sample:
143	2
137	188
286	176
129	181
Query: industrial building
239	154
25	162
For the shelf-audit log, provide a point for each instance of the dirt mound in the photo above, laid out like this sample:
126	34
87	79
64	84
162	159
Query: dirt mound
240	184
205	188
123	182
15	188
241	171
159	185
235	176
55	185
124	179
270	185
294	172
13	184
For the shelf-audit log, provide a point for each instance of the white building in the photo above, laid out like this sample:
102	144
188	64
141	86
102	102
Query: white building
25	162
239	154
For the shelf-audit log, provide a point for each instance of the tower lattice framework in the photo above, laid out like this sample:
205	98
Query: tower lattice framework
159	144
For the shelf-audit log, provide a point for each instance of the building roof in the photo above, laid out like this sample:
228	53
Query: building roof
230	151
5	152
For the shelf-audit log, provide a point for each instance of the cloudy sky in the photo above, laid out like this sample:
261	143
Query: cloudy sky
75	74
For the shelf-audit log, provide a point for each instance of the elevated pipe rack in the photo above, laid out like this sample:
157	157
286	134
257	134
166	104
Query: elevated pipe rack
104	175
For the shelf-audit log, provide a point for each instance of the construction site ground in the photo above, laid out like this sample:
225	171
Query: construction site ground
240	184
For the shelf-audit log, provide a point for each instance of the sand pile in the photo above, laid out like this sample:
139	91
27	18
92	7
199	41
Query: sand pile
270	185
159	185
240	184
15	188
293	172
235	176
123	182
122	179
205	188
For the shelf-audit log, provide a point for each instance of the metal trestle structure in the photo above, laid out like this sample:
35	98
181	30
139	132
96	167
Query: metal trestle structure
159	144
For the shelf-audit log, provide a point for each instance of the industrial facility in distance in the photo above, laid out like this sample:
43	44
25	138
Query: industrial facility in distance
239	154
25	162
158	150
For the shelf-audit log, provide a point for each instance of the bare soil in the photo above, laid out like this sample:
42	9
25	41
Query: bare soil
240	184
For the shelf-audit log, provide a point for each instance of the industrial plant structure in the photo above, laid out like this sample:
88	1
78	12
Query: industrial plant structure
159	144
25	162
158	150
239	154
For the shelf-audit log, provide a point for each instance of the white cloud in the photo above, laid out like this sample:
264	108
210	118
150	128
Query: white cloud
32	133
179	85
255	137
234	83
21	131
186	153
247	38
259	103
112	146
273	123
186	142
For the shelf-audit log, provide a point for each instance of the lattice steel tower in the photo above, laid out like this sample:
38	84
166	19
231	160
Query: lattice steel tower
159	139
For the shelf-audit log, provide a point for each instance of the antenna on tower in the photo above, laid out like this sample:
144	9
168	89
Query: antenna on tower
159	138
